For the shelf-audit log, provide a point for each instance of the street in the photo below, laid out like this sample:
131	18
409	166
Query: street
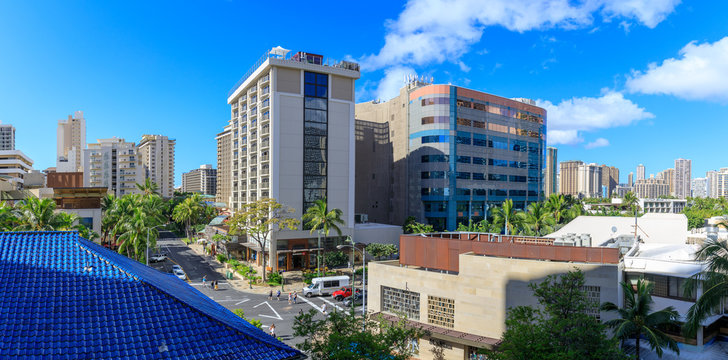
255	306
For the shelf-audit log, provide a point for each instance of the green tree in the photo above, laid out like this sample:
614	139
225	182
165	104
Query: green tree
507	217
381	250
407	223
714	282
538	220
630	202
341	335
149	187
8	220
35	214
258	219
480	226
559	328
557	205
417	228
637	319
319	218
335	258
188	212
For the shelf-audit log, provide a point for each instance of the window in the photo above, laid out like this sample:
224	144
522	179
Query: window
498	142
435	120
464	122
434	158
478	124
435	206
432	191
441	311
463	138
497	177
478	176
432	175
480	161
593	296
497	162
462	175
436	101
436	139
463	159
516	178
497	127
401	301
315	137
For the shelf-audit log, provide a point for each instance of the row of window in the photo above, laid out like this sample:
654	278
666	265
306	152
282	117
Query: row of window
480	161
478	192
315	137
487	107
478	176
427	120
496	142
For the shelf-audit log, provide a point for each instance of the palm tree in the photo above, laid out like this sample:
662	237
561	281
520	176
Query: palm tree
637	319
507	217
8	220
538	219
319	218
188	211
134	232
714	281
557	205
630	201
39	215
148	188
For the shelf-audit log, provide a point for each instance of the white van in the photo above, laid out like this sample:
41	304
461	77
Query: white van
325	285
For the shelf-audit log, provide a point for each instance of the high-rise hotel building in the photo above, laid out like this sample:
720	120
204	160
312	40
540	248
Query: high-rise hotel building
114	164
550	184
157	155
292	139
454	153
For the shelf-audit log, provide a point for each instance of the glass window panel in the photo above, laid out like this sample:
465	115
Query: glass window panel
314	182
314	155
321	91
315	103
311	195
310	90
315	115
314	142
310	77
322	79
312	128
314	168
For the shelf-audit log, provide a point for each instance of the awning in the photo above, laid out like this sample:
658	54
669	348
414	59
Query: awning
297	250
251	246
445	334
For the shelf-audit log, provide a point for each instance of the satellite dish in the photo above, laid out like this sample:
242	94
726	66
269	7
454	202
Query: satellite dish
614	229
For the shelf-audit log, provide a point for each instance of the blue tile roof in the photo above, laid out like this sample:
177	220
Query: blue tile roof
64	297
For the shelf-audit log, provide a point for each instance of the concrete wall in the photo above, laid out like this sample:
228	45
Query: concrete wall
288	80
485	287
291	153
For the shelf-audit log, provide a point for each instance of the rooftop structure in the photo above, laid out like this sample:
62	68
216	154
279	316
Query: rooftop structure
103	305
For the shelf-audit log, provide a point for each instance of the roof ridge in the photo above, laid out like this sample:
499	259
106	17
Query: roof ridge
84	244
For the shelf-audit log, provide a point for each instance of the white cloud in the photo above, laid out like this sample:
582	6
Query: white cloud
393	81
601	142
586	114
699	73
434	31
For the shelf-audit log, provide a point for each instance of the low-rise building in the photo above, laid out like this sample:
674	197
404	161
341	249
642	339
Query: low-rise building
651	188
663	206
202	180
14	165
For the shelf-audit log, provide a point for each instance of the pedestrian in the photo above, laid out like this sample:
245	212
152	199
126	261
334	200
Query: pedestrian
270	295
216	285
323	309
300	312
273	330
295	297
278	296
204	281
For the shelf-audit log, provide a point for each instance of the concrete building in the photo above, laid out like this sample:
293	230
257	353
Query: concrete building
292	130
202	180
113	164
699	188
683	178
651	188
71	141
589	181
456	152
7	137
374	151
668	175
462	296
621	190
630	179
662	206
610	179
569	177
640	172
84	202
14	166
34	179
550	181
223	189
157	155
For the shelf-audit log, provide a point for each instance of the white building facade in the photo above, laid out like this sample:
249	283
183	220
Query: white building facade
71	140
157	155
7	137
683	178
699	188
113	163
589	180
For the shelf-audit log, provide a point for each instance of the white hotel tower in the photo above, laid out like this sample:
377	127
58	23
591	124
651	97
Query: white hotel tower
292	134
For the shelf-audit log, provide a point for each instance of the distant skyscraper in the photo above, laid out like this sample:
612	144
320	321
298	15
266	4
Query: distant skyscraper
569	177
589	181
7	137
71	140
700	187
550	183
630	179
157	154
640	172
651	188
682	178
114	164
668	175
610	178
202	180
718	183
712	183
223	189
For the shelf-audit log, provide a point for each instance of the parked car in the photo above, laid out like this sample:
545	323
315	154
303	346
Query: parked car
325	285
176	267
342	293
179	273
355	300
157	258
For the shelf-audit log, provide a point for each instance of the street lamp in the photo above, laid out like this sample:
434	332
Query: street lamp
363	276
148	231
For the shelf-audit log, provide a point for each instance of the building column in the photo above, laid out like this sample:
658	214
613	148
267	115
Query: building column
699	293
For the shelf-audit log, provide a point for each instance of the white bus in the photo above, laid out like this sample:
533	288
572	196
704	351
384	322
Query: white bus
325	285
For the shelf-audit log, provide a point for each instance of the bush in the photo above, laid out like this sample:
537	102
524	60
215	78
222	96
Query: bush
359	271
336	258
275	279
308	276
221	258
233	263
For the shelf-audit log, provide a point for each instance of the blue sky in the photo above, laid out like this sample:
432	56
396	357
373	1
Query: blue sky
625	82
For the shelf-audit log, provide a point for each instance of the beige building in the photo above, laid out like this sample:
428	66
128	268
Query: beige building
7	137
668	175
589	181
569	177
651	188
462	298
223	190
157	155
14	166
610	178
683	178
292	132
202	180
71	140
550	183
113	164
640	172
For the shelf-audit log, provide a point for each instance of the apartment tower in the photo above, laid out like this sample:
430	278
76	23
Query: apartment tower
569	177
651	188
292	131
610	179
114	164
682	178
668	175
223	189
550	183
699	188
589	181
71	140
157	155
456	152
640	172
202	180
7	137
630	179
14	166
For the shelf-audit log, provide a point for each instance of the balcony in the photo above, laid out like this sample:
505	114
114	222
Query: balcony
265	184
265	158
265	143
235	106
253	187
253	100
252	90
265	105
266	91
265	130
264	171
253	173
265	79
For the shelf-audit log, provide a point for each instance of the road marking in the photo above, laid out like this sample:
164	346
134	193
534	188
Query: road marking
278	316
241	300
332	304
311	303
238	303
